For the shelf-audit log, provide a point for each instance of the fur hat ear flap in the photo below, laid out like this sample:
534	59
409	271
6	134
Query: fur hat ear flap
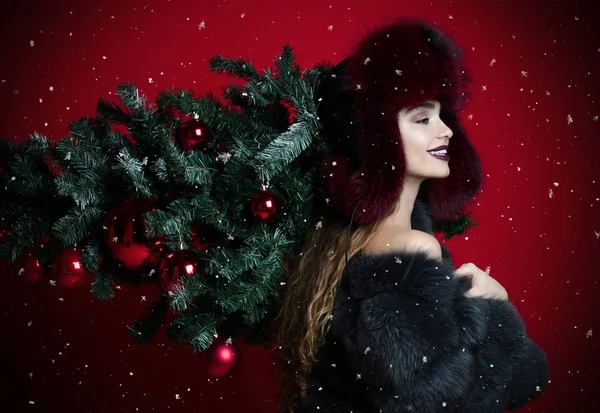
398	66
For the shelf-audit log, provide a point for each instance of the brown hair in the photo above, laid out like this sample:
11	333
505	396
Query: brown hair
304	316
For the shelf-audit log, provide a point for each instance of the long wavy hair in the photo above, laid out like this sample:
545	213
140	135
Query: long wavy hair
304	315
315	272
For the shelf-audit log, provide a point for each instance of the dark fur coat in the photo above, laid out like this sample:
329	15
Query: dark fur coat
404	338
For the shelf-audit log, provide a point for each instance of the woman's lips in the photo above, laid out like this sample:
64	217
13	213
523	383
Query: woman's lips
440	157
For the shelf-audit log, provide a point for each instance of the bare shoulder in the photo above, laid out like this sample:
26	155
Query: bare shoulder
405	240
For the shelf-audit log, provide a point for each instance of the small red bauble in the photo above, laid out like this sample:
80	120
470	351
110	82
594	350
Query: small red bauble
175	267
28	266
265	206
68	268
192	134
126	235
224	358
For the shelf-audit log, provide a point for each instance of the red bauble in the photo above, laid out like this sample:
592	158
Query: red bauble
265	206
28	266
175	267
68	268
224	358
192	134
126	235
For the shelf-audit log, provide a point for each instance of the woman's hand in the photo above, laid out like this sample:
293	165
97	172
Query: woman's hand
482	285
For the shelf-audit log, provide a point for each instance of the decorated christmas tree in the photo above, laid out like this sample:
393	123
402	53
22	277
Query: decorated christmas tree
207	198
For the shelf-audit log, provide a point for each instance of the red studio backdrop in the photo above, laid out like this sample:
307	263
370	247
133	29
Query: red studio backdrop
533	118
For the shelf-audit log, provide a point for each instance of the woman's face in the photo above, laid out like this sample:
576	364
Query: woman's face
422	130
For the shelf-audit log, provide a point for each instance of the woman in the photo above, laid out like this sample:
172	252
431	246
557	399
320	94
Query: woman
396	327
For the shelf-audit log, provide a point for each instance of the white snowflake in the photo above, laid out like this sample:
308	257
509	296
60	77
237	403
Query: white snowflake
224	157
569	119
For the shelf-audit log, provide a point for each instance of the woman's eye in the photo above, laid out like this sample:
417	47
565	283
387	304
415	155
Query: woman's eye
423	121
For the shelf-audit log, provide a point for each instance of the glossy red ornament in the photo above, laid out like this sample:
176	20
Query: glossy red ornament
224	358
28	266
126	235
175	267
265	206
68	268
192	134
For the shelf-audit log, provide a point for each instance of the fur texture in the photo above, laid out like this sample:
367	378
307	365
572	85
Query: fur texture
405	338
397	66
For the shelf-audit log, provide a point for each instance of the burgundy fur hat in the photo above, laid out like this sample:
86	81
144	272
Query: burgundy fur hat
401	65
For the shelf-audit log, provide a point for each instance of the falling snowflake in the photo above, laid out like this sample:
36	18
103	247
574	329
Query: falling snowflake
202	25
569	119
550	193
547	93
398	72
589	333
224	157
31	43
367	60
330	27
595	118
492	62
524	73
597	233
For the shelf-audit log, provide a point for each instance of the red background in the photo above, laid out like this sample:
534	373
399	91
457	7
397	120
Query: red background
533	118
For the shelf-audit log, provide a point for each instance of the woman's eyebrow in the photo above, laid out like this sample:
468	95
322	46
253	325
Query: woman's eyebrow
426	105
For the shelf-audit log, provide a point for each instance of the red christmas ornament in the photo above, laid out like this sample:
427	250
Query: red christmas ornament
175	267
28	266
265	206
223	359
126	235
193	134
68	268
